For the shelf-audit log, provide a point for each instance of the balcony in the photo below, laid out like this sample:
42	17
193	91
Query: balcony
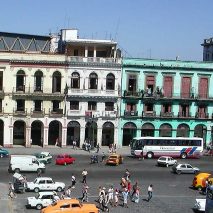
131	94
109	115
202	115
35	93
167	114
20	112
148	114
37	113
56	113
130	113
184	115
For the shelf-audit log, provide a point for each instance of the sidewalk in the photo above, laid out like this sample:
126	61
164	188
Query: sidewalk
69	150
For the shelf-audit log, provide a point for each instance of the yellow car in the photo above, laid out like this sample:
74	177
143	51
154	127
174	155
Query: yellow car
114	159
70	206
199	180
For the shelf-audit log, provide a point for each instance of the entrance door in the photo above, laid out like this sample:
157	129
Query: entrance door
203	87
186	87
168	86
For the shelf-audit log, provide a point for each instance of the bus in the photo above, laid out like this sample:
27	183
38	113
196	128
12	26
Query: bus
150	147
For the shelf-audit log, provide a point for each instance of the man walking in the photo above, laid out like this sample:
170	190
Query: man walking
85	193
84	174
150	190
73	179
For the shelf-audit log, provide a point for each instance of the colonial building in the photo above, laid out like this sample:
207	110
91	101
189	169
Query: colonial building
58	88
166	98
93	83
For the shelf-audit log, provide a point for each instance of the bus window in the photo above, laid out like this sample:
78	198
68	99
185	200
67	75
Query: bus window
173	143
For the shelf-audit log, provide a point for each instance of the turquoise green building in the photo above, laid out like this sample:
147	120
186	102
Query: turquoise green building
166	98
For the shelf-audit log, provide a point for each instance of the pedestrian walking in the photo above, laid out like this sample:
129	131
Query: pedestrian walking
84	174
150	191
56	142
136	196
105	203
101	197
125	194
134	188
116	197
127	175
98	148
74	143
39	173
73	179
68	192
111	195
85	193
103	157
11	193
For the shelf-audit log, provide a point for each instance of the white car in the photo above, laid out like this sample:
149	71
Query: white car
200	205
45	184
44	157
41	200
166	161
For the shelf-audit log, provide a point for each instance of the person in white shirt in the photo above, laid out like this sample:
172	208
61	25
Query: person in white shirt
84	174
150	190
73	179
111	195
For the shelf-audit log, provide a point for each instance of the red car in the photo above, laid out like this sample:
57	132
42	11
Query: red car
64	159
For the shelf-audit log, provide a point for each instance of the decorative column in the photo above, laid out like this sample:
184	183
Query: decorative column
64	137
82	136
99	135
45	139
86	52
94	51
28	137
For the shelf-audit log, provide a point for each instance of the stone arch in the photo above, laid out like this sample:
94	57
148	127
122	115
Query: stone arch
148	129
107	134
37	133
200	131
183	130
129	132
165	130
19	133
73	132
55	132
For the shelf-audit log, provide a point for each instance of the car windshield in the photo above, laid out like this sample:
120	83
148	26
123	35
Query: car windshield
162	158
113	157
60	156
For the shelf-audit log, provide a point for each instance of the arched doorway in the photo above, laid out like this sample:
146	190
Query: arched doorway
183	130
55	130
1	133
37	133
148	129
91	133
165	130
107	134
129	132
19	133
73	132
200	131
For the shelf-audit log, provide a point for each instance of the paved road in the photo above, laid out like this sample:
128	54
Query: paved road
172	193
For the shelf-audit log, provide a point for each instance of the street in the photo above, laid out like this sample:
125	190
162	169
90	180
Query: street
172	192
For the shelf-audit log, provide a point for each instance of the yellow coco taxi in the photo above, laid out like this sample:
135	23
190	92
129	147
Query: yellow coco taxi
199	180
114	159
70	206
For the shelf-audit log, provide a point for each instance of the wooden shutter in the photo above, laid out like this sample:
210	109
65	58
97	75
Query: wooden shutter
203	87
186	87
168	86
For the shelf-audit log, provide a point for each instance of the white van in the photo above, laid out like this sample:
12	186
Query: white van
27	163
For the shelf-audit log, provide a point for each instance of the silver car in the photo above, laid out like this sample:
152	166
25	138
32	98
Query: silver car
185	168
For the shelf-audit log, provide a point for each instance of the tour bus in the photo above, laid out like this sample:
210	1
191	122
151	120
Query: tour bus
150	147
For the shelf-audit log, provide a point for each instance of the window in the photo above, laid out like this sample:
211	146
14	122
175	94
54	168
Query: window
130	107
56	82
42	182
49	181
92	105
132	83
184	110
0	105
167	108
37	105
149	107
75	205
110	82
66	206
109	106
74	105
38	81
75	80
76	52
93	81
55	105
20	105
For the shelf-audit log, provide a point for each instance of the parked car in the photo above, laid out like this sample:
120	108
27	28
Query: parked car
166	161
199	181
70	206
44	157
41	200
64	159
184	168
45	183
114	159
3	153
200	205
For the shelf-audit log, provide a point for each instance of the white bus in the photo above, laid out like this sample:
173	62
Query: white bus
150	147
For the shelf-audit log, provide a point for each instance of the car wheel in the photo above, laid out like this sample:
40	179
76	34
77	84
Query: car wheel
183	155
39	206
59	189
17	170
178	172
1	155
149	155
36	190
167	165
65	163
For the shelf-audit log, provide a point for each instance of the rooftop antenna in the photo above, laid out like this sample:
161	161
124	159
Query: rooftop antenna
116	29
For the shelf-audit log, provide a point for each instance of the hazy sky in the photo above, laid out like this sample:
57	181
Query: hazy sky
161	29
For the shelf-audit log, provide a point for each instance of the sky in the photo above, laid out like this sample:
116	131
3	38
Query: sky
159	29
